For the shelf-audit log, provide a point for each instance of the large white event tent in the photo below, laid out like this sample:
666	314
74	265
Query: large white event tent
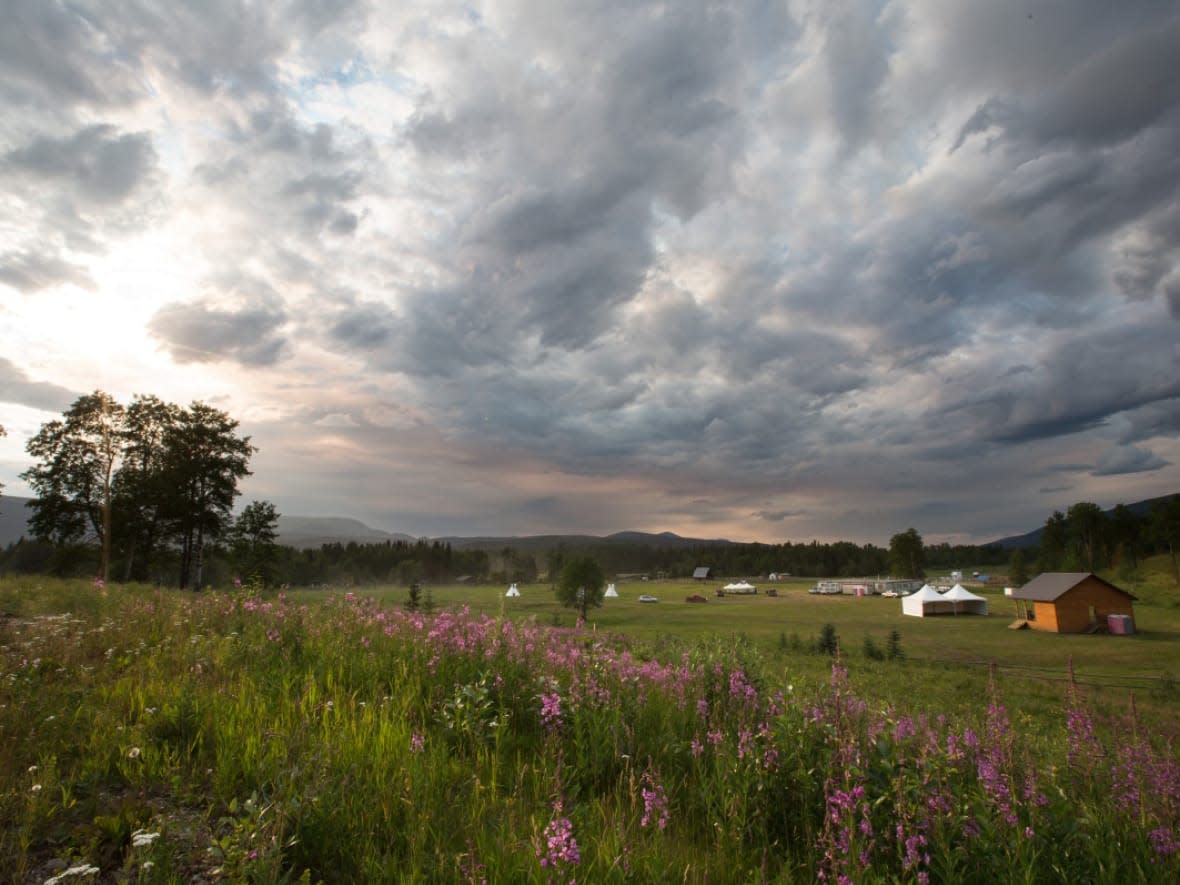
925	602
965	601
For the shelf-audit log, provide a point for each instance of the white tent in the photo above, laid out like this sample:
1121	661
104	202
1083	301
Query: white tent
925	602
741	587
512	591
611	592
965	601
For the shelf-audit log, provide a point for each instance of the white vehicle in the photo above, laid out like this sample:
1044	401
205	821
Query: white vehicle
827	588
646	597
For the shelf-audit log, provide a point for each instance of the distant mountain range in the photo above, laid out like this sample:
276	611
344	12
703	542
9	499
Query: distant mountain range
14	519
315	531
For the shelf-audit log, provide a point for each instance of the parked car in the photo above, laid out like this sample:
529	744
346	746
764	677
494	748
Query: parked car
647	597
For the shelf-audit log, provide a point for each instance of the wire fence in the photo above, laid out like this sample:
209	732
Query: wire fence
1162	680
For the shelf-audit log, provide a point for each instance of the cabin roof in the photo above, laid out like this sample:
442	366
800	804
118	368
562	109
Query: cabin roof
1051	586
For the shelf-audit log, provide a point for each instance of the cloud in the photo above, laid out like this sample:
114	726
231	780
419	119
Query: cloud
51	53
16	387
1118	460
97	163
29	272
199	332
740	264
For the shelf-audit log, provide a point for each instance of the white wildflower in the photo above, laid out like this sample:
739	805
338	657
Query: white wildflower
75	871
143	839
133	753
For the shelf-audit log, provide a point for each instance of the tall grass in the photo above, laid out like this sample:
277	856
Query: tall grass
160	737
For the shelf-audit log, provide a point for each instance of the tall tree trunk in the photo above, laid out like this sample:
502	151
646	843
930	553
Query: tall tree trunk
186	554
199	558
130	561
105	566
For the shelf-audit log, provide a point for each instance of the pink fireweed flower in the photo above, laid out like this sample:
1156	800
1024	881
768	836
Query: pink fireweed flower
655	803
551	712
560	848
417	743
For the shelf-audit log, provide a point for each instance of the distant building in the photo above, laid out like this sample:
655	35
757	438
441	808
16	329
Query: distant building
1071	602
702	573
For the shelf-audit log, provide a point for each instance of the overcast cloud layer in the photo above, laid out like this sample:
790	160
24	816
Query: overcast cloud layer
771	271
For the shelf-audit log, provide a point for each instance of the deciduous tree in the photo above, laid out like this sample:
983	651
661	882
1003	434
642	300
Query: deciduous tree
141	494
204	460
581	585
77	459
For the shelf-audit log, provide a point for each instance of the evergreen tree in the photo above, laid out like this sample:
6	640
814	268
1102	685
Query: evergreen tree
907	557
1053	538
1165	528
1017	571
254	542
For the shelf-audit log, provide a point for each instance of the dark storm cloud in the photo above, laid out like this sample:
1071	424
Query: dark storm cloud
202	332
1081	382
571	182
781	256
16	387
1127	459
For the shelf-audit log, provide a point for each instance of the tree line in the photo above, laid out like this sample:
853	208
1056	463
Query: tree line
150	488
1086	538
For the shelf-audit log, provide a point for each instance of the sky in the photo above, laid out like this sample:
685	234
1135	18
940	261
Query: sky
770	271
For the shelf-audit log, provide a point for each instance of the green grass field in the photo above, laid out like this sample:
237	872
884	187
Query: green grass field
959	650
161	736
1153	651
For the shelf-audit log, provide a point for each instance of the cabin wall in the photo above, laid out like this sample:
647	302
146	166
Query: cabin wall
1046	617
1076	610
1092	601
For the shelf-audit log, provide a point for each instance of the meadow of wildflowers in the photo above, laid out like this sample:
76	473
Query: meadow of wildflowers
150	736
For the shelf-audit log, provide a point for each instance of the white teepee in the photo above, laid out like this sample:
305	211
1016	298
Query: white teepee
512	591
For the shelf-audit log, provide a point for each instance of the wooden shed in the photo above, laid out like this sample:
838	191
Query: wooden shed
1070	602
